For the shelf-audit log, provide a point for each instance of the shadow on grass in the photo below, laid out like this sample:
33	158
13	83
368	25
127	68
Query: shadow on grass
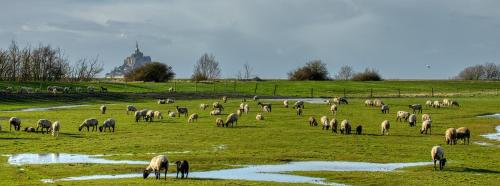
71	135
19	138
473	170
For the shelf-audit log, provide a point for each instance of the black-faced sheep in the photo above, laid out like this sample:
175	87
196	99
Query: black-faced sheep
150	115
451	136
262	105
416	107
219	122
193	118
446	102
345	127
231	119
266	108
183	167
156	164
463	133
454	103
91	122
131	108
138	116
324	123
359	129
384	127
428	103
312	121
333	125
426	126
16	122
384	109
436	104
56	126
285	103
299	111
203	106
412	120
217	105
182	110
437	154
158	115
298	104
103	109
340	100
44	124
108	124
402	115
171	114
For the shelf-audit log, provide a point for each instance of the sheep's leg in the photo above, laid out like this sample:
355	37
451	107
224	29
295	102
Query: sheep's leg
177	176
187	172
166	169
434	164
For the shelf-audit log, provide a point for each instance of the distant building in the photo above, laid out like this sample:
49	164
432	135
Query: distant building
137	59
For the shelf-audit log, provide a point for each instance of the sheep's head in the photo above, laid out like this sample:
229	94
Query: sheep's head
80	128
145	173
100	129
442	162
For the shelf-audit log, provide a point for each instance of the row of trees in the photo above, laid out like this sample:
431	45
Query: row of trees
316	70
487	71
44	63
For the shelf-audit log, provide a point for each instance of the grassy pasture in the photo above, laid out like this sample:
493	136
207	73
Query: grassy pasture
281	137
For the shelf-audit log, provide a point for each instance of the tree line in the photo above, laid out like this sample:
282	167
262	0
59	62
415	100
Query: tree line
44	63
486	71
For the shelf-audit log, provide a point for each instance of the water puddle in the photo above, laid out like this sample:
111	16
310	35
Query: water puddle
51	158
497	115
493	136
307	100
44	108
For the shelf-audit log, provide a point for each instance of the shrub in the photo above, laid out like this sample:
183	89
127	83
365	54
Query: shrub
367	75
313	70
155	71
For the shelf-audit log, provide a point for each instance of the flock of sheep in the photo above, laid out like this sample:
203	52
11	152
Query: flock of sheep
55	89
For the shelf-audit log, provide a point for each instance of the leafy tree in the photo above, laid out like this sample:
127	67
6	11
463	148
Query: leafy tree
313	70
155	71
367	75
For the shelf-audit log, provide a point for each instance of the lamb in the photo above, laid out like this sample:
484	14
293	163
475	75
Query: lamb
426	117
385	109
219	122
285	103
359	129
131	108
333	125
203	106
29	129
324	123
182	110
103	109
157	163
56	126
384	127
298	104
161	101
378	102
183	167
16	122
44	124
108	124
224	98
266	108
428	103
345	127
193	118
402	115
437	154
426	126
215	112
158	115
259	117
463	133
265	104
231	119
333	109
150	115
217	105
451	136
412	120
416	107
171	114
368	102
312	121
91	122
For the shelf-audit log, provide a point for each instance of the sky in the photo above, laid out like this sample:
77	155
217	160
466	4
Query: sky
396	37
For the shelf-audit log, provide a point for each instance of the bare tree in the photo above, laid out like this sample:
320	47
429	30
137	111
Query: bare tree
247	71
472	73
491	71
207	68
345	73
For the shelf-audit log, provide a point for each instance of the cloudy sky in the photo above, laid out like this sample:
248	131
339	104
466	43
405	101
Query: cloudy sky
397	37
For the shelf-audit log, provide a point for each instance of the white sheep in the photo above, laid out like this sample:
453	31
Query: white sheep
56	126
451	136
16	122
215	112
437	154
108	124
402	115
171	114
324	123
426	117
242	105
446	102
156	164
43	124
91	122
333	109
299	111
246	108
259	117
428	103
266	108
345	127
203	106
193	118
131	108
224	99
412	120
171	89
231	119
384	127
368	102
285	103
103	109
298	104
333	124
436	104
378	102
158	115
426	126
150	115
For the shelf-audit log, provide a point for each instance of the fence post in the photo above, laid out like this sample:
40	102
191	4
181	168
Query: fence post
399	93
275	87
432	92
312	92
371	92
255	90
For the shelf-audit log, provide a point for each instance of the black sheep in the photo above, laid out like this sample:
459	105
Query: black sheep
183	167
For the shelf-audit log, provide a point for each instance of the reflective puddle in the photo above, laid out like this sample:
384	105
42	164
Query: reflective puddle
50	158
45	108
493	136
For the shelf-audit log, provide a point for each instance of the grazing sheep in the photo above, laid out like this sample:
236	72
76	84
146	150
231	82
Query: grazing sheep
269	105
333	109
402	115
29	129
215	112
138	116
454	103
203	106
266	108
169	100
426	117
345	127
182	110
242	105
193	118
378	102
436	104
150	115
246	108
285	103
108	124
437	154
333	125
56	126
412	120
183	167
161	101
428	103
239	112
157	163
298	104
463	133
359	129
324	123
446	102
416	107
329	102
299	111
224	98
451	136
16	122
340	100
385	109
131	108
368	102
384	127
43	124
171	114
103	109
312	121
91	122
219	122
158	115
217	105
426	126
231	119
259	117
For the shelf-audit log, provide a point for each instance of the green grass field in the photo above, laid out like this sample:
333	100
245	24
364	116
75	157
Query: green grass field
281	137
